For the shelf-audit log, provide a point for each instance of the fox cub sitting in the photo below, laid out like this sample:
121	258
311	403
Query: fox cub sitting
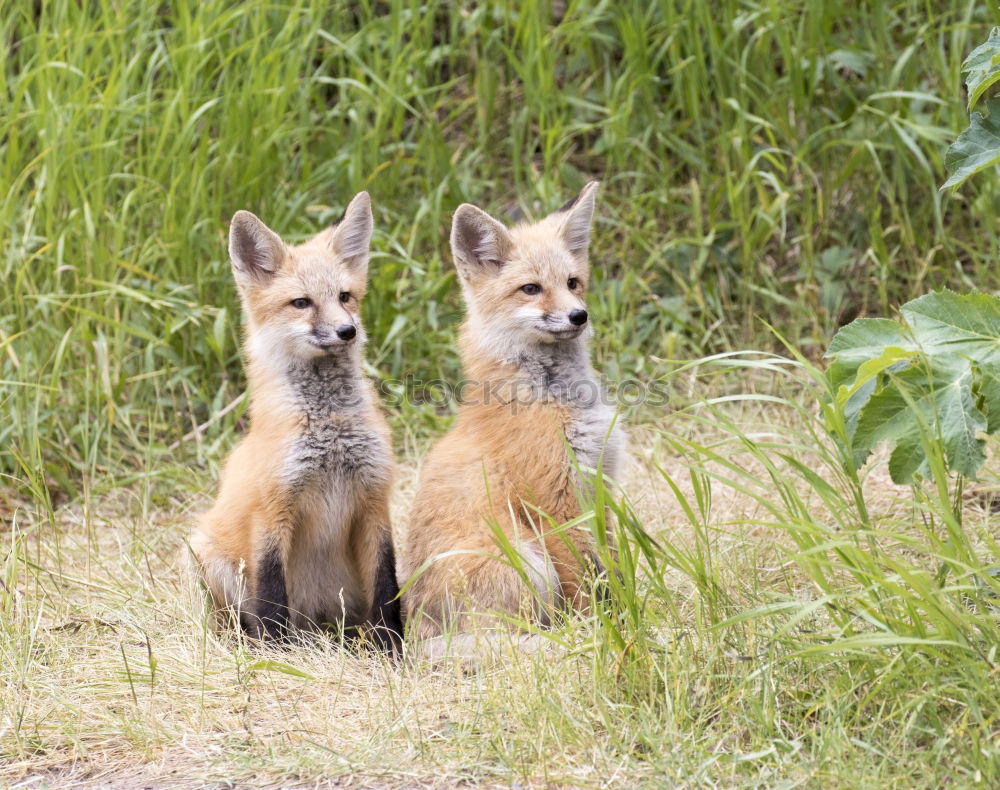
299	534
530	392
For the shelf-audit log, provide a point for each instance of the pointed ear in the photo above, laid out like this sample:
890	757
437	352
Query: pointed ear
352	237
256	251
577	217
478	242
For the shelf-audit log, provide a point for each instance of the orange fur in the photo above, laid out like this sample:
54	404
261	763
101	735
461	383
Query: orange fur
506	457
311	479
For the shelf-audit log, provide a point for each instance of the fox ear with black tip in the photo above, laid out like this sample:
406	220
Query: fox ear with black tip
351	238
480	244
578	216
255	251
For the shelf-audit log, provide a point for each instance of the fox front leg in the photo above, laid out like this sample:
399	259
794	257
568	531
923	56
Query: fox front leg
386	619
267	616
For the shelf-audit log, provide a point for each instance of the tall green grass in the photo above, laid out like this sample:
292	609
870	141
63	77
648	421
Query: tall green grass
814	618
758	159
826	616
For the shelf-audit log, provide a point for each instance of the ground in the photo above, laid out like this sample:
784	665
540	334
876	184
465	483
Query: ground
114	678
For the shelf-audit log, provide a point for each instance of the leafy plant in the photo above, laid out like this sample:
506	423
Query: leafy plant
934	373
978	147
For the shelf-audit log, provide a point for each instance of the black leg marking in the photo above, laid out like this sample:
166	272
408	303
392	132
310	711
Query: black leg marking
269	614
386	616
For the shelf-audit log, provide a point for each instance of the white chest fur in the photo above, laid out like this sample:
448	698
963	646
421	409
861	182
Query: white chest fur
322	578
595	437
330	469
341	451
564	376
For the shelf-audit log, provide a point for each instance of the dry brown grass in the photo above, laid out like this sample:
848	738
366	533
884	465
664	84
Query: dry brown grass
112	678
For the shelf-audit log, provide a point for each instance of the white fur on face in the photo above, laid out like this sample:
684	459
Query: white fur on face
266	344
494	261
510	336
502	336
273	344
535	325
335	314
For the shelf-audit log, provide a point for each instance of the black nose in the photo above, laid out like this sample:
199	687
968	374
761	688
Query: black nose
578	317
346	332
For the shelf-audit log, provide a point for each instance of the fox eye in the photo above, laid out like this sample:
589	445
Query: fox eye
345	296
531	289
572	282
301	303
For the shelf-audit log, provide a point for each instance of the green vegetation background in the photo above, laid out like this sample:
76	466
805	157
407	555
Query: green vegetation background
760	160
764	162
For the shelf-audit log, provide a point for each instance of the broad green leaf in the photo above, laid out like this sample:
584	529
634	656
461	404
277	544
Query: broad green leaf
906	460
982	67
946	322
989	396
977	148
861	375
863	349
934	375
865	338
937	395
851	398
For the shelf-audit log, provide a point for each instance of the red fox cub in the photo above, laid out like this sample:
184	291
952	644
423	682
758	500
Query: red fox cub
530	394
299	534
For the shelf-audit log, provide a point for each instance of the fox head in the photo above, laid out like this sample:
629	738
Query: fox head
524	286
302	302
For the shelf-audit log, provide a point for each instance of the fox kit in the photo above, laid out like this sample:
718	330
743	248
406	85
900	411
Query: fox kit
531	406
299	534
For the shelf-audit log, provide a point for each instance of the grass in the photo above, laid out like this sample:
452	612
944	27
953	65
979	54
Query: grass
783	623
732	663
